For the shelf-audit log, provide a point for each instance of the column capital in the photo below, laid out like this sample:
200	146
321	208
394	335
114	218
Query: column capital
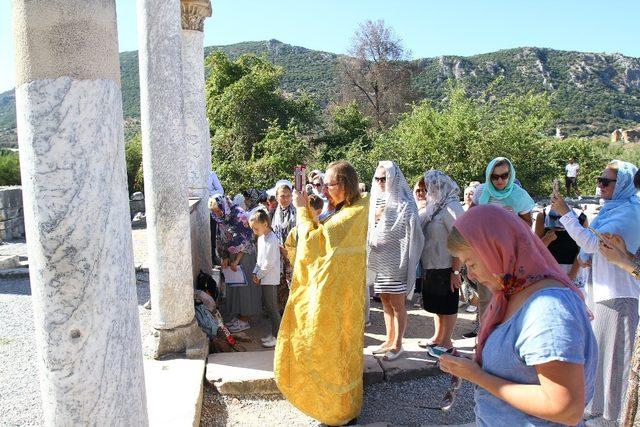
194	12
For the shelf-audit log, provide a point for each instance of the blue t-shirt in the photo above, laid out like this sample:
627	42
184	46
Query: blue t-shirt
552	325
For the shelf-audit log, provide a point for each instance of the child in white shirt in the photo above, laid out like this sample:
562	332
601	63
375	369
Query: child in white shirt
267	271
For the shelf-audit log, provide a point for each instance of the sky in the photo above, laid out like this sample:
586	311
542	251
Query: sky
427	27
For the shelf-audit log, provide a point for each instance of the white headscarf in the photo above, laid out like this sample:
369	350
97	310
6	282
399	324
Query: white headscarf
400	218
441	190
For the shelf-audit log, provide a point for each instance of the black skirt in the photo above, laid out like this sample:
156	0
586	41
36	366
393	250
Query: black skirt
437	297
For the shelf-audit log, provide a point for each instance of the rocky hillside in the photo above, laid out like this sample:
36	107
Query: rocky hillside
594	93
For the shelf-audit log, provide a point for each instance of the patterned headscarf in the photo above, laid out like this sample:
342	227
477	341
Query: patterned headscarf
509	250
233	227
284	219
253	197
441	190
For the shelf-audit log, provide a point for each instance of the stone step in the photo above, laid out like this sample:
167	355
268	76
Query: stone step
251	373
174	391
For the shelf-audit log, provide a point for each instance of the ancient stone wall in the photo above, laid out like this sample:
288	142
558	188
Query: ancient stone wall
11	213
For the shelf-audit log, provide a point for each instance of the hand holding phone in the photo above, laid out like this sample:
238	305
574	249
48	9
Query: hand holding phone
300	177
598	235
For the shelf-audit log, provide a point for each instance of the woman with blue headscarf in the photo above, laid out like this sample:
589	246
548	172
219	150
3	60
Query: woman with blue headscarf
501	188
615	292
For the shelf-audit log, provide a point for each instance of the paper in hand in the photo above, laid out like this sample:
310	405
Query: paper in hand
234	278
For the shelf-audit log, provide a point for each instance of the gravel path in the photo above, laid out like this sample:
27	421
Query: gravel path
401	404
20	403
19	388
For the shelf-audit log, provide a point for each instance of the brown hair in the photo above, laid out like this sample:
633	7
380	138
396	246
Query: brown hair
503	162
316	202
456	241
261	216
282	187
348	177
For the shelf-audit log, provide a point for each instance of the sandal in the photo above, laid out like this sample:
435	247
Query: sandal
426	343
380	349
392	355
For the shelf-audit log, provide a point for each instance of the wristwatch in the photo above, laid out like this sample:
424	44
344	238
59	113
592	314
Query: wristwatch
456	272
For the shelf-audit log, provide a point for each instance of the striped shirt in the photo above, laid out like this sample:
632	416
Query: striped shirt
385	284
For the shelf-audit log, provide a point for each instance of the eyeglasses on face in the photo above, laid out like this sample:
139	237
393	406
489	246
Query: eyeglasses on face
496	177
329	185
380	178
419	190
317	184
605	181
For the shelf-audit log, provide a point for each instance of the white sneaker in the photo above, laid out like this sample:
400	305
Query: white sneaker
471	309
232	322
239	326
267	338
270	344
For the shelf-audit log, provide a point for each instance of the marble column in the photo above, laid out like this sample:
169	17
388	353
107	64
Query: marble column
165	176
196	124
71	138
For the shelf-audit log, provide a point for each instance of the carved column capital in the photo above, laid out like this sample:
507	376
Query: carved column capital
194	12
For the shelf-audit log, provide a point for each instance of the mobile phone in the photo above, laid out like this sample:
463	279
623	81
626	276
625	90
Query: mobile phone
598	235
437	351
300	178
556	186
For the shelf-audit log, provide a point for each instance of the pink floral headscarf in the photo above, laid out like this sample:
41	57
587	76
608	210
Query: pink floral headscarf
510	250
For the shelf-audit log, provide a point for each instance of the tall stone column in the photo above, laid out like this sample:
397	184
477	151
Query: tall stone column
196	124
165	175
70	132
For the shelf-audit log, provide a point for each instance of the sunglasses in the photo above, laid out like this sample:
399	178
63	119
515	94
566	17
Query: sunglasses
504	176
605	181
317	184
380	178
419	190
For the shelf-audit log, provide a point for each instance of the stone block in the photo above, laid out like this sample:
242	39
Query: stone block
10	261
10	197
10	213
174	391
247	373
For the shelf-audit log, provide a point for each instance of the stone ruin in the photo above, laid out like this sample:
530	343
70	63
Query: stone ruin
76	209
626	136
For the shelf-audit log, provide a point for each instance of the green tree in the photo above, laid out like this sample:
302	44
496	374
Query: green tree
462	134
133	157
9	168
244	98
348	129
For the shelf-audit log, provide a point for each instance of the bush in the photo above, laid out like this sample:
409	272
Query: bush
133	156
9	168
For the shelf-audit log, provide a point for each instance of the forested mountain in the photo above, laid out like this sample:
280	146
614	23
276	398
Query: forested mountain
594	93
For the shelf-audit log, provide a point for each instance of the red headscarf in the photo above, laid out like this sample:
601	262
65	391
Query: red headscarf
509	249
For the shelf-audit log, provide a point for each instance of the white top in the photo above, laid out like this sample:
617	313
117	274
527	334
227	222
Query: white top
572	170
609	281
213	184
435	254
268	260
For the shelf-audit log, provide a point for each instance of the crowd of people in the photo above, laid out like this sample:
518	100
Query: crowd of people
556	297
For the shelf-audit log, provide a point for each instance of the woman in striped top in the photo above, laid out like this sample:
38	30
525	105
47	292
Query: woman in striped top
394	246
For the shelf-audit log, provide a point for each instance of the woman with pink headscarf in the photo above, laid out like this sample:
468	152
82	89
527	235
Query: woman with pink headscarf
536	355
